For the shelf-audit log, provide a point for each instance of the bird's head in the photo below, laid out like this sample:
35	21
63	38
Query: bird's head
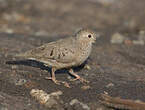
86	35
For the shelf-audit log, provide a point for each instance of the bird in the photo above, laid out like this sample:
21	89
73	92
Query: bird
64	53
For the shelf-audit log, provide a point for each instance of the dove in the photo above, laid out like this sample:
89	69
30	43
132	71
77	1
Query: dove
64	53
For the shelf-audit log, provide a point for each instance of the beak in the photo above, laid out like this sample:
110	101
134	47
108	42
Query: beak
96	36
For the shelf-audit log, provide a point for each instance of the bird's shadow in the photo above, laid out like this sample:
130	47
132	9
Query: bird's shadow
31	63
37	64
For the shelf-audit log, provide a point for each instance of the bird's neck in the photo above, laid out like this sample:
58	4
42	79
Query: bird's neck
83	51
85	45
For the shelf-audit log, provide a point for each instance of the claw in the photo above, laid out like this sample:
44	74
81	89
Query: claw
84	80
58	82
81	79
54	80
66	84
77	77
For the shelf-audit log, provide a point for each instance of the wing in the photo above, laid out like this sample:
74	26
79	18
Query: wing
64	54
62	51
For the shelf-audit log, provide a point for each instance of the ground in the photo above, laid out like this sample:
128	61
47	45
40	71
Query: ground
114	67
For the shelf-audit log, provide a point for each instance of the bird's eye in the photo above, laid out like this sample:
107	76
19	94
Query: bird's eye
89	36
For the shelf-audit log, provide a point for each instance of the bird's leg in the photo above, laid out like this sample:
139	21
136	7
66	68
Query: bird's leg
53	78
77	77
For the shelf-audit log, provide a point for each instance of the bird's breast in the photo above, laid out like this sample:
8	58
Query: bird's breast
83	53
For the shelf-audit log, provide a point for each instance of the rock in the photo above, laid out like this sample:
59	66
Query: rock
51	101
20	82
85	87
77	105
87	67
109	85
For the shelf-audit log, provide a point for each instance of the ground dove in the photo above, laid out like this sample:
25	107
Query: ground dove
64	53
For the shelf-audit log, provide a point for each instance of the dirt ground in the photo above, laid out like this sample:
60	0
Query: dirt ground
116	66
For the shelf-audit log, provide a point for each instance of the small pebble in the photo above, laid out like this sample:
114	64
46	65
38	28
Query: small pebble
128	42
87	67
14	67
86	87
9	31
141	38
41	33
110	85
20	82
30	84
138	42
80	105
117	38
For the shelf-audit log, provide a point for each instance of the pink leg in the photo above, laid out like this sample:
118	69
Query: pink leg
53	78
77	76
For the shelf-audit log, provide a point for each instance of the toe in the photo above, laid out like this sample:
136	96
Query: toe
78	78
81	79
54	80
84	80
58	82
49	78
66	84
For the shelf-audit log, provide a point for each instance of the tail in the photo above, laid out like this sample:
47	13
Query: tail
22	55
26	55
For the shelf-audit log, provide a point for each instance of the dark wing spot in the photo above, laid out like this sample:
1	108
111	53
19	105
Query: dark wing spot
51	53
63	54
59	56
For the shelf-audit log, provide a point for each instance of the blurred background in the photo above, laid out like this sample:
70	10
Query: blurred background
52	17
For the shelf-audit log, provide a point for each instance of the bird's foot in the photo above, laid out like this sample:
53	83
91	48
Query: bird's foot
81	79
58	82
65	84
54	80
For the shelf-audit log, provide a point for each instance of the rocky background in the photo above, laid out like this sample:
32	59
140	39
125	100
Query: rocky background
116	66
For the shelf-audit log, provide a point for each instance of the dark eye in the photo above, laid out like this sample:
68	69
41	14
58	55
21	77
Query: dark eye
89	36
